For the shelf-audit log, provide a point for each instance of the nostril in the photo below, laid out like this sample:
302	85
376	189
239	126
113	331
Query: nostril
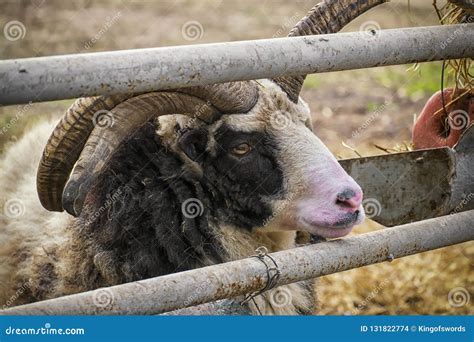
346	195
348	198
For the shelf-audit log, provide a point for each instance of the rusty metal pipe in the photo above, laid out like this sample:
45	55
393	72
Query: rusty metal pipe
185	289
144	70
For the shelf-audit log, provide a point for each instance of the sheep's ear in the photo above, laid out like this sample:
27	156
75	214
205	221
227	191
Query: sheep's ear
193	143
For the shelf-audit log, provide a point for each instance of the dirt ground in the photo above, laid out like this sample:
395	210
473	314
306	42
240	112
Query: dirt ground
360	108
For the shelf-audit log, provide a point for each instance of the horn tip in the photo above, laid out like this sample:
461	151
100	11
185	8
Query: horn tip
73	197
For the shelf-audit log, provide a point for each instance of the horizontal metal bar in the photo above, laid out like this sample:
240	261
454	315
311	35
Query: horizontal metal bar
144	70
179	290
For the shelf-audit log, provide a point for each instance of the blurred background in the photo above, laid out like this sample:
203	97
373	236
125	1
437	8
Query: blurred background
353	111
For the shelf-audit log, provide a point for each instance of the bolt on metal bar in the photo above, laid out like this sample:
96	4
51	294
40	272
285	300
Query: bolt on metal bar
144	70
236	278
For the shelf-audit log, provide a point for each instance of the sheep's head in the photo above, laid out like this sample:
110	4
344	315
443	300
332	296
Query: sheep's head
268	166
250	143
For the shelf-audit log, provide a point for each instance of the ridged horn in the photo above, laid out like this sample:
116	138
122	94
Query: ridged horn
228	98
70	135
126	118
329	16
65	145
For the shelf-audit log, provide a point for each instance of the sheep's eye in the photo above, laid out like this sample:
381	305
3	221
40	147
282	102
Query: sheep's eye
242	149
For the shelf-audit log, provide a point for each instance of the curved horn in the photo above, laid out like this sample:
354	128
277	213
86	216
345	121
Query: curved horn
229	98
61	153
126	118
329	16
70	135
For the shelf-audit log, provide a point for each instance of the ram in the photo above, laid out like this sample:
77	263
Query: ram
168	181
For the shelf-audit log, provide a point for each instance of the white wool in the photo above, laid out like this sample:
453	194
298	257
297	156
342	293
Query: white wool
25	226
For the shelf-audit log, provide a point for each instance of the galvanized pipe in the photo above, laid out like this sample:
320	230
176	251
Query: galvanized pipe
144	70
185	289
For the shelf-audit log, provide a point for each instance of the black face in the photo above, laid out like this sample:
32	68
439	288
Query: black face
240	175
146	186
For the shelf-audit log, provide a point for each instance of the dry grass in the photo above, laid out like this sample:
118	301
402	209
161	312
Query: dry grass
417	284
460	69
